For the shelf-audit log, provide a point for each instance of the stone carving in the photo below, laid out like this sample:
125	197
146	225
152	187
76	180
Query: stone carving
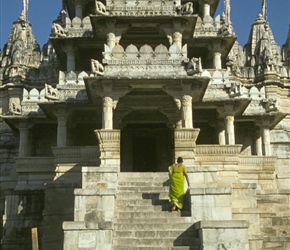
101	9
186	9
97	67
225	28
234	89
270	105
58	31
15	108
51	93
194	66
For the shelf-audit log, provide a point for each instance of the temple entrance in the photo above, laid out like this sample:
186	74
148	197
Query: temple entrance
144	154
147	148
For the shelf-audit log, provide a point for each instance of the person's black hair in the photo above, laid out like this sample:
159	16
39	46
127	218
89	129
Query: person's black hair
179	160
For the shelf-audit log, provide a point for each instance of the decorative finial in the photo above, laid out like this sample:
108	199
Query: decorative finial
264	9
227	11
25	9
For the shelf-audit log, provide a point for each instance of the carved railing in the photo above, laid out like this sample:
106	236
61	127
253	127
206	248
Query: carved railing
257	160
218	150
87	154
146	61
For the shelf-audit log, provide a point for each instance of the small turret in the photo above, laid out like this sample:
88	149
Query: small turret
286	50
22	52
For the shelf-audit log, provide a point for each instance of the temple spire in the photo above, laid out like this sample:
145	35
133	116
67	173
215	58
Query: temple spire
264	9
25	9
227	10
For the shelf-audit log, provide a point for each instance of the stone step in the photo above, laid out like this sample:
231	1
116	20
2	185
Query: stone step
163	241
156	248
149	226
160	220
148	176
149	189
140	202
190	232
131	195
151	214
142	182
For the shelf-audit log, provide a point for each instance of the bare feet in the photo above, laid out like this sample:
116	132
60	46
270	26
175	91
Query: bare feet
173	208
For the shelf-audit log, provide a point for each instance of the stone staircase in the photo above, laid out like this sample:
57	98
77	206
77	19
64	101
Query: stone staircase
143	219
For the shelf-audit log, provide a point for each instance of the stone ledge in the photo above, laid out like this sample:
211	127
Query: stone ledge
221	224
82	225
245	185
273	191
210	191
198	169
283	176
95	192
276	239
100	169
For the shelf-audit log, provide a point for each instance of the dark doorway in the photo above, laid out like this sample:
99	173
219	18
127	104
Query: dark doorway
144	154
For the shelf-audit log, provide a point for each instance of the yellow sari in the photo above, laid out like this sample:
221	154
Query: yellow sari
176	189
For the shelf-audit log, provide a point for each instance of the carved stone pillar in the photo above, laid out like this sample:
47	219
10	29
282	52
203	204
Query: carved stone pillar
70	55
177	38
24	139
187	111
62	117
221	133
216	50
259	148
217	62
206	6
266	140
111	40
109	146
79	9
230	129
107	121
185	144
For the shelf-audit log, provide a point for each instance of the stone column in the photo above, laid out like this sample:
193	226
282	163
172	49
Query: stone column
187	111
107	121
266	140
221	133
216	49
79	9
259	149
24	139
185	144
69	49
62	117
110	147
230	129
111	40
206	6
217	62
177	39
264	146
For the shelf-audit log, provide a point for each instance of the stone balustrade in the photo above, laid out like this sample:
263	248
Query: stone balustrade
218	149
85	154
34	172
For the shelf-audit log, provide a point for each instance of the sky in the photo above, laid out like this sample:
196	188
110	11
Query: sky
41	13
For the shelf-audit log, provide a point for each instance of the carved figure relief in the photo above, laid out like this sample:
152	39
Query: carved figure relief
186	9
270	105
101	9
58	30
51	93
234	89
194	66
97	67
15	108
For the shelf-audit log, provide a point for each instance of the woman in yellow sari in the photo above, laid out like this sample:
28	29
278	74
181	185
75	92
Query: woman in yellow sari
177	172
